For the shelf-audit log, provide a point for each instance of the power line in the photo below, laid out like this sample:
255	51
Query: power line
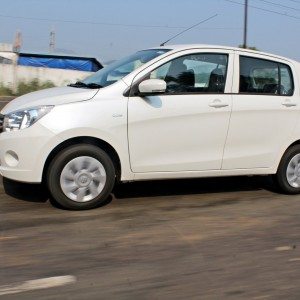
33	37
90	22
266	10
116	24
294	1
220	28
279	5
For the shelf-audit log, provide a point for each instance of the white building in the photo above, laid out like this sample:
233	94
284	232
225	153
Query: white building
60	69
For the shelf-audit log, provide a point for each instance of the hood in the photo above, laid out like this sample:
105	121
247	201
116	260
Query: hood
52	96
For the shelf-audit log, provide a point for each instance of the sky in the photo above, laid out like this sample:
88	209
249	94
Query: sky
112	29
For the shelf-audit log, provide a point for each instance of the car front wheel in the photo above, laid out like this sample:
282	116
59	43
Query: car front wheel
81	177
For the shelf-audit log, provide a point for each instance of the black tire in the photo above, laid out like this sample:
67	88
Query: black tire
280	178
62	159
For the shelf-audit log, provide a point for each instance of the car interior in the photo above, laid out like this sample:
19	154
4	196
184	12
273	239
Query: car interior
258	76
196	79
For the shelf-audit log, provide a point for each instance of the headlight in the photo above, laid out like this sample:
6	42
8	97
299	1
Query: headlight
24	118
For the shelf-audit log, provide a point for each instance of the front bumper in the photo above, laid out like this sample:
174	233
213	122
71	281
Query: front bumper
23	153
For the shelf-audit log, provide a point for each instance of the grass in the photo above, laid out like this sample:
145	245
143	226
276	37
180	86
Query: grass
25	87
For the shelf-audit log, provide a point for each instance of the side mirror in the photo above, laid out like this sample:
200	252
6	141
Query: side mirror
152	87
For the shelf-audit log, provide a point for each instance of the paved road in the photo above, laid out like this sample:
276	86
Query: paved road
228	238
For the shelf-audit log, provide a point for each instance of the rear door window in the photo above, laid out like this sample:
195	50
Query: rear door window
287	82
260	76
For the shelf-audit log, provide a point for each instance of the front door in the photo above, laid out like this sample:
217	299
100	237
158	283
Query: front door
184	129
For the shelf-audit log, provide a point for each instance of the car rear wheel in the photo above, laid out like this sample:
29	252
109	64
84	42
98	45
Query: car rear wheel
81	177
288	173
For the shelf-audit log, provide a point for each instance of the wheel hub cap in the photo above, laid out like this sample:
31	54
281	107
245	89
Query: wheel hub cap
83	179
293	171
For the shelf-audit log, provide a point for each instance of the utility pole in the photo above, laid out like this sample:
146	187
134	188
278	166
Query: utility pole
16	48
245	24
52	41
17	42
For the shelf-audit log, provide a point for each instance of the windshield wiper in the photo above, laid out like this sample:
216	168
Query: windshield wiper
80	84
77	84
94	86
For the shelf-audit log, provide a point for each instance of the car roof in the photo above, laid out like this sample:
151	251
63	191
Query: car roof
180	47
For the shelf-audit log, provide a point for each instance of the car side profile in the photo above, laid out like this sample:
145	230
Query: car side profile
178	111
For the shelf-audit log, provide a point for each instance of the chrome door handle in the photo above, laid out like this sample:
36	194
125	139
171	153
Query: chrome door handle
289	104
218	104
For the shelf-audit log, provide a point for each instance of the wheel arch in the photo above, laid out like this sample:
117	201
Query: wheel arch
109	149
297	142
283	151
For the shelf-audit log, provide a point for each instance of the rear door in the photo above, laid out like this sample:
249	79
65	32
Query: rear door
264	111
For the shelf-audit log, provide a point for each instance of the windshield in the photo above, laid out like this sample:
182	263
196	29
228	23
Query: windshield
119	69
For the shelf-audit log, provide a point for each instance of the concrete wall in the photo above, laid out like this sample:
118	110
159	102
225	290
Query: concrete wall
9	55
11	75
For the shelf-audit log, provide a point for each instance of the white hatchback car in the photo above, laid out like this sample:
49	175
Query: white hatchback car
167	112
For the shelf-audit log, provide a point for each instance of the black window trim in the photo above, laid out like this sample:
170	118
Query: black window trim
279	64
131	92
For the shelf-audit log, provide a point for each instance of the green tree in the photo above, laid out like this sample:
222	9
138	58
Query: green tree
25	87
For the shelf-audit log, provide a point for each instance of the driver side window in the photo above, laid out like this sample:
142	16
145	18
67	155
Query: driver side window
194	73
